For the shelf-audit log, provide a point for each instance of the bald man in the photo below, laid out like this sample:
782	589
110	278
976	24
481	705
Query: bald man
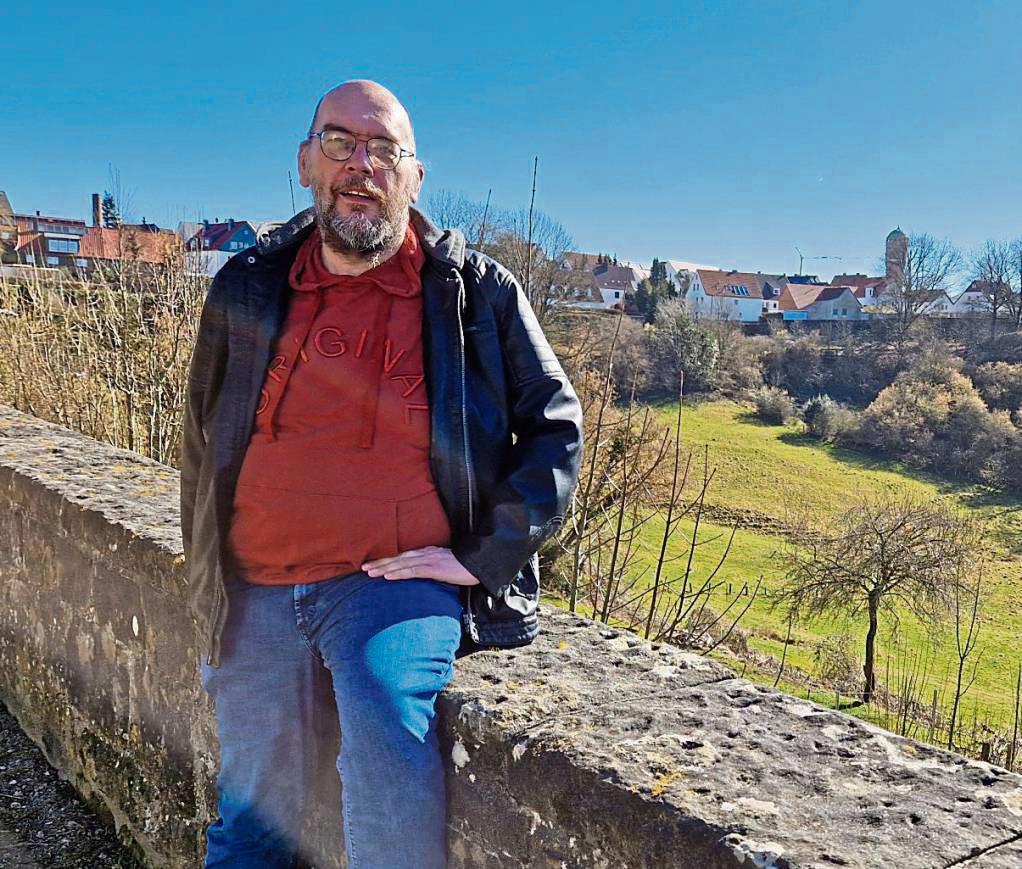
377	440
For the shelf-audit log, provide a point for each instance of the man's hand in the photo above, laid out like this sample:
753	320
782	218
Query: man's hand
429	562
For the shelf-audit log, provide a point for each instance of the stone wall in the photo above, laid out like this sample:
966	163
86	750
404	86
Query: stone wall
592	748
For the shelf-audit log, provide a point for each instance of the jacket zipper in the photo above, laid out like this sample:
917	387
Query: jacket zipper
469	474
468	617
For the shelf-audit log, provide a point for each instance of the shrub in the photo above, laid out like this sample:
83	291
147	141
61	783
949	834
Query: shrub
740	367
1003	348
774	405
932	416
837	664
795	365
1004	467
1000	384
677	343
828	420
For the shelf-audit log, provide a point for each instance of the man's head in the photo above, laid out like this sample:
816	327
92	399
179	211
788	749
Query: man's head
361	208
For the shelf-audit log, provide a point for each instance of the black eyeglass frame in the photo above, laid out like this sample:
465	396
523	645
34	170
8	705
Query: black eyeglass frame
402	153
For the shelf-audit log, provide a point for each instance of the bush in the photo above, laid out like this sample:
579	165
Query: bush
677	343
1004	468
828	420
795	365
774	405
932	416
837	664
1000	384
1003	348
740	367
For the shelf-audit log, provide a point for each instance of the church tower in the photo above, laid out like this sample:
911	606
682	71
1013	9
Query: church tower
896	256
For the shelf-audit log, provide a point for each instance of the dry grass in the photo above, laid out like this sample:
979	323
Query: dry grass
108	356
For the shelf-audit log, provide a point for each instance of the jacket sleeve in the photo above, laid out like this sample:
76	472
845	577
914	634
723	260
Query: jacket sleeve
202	373
529	502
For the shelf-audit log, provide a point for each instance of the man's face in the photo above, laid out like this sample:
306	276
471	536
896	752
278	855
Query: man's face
360	208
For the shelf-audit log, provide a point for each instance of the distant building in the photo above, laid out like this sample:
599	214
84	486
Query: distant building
819	302
229	236
718	295
867	289
50	241
896	256
70	243
103	245
8	230
973	302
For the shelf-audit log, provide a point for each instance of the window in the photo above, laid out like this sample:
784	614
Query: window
52	261
81	263
617	294
30	259
62	245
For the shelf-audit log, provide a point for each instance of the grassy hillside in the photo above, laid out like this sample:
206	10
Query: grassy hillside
770	470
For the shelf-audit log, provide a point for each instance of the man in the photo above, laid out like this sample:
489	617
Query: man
377	440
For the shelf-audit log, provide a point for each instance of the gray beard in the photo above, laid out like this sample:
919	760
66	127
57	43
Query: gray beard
359	235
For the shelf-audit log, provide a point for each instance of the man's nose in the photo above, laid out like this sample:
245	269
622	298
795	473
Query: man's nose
359	160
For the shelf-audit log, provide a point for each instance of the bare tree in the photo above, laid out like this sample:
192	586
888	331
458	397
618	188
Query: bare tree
528	242
878	555
966	606
992	267
1014	301
451	210
912	289
538	264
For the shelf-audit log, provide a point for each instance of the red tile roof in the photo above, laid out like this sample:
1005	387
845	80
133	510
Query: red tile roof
217	234
797	297
578	260
858	283
114	244
730	284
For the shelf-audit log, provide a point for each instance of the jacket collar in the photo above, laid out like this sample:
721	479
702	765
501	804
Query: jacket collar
447	246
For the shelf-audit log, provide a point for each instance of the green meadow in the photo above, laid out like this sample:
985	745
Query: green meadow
772	471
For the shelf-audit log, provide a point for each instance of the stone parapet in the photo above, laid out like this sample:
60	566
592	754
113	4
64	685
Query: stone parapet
591	748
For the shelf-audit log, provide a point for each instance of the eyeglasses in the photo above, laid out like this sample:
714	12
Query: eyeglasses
340	145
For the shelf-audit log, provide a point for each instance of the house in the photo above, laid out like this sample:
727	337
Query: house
230	237
103	245
49	241
974	302
719	295
572	260
867	289
819	302
8	230
612	284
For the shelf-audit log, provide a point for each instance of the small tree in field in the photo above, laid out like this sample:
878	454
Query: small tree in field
879	557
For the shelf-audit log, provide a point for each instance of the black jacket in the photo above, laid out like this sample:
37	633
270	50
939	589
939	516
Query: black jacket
506	426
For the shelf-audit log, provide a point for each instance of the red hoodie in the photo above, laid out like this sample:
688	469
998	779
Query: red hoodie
337	468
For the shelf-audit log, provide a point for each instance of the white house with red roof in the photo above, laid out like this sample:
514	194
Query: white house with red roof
819	302
713	294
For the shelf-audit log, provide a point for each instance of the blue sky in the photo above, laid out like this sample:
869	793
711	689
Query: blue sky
725	133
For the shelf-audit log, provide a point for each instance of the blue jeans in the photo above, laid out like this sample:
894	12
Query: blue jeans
388	649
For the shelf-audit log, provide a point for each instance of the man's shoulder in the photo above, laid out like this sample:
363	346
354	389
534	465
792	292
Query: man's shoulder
489	277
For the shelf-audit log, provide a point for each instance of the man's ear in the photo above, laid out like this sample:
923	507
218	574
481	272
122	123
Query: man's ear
421	172
303	157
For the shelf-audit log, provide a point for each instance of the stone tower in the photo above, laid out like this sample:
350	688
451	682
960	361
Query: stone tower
896	256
